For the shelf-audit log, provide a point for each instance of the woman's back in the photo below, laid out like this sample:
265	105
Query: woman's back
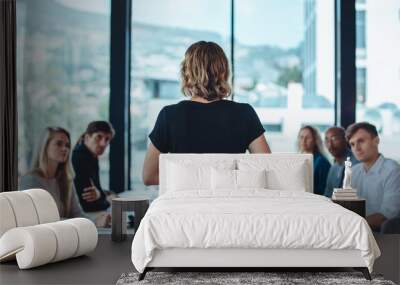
207	123
221	126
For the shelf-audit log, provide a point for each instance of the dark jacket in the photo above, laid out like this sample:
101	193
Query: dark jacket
321	169
86	168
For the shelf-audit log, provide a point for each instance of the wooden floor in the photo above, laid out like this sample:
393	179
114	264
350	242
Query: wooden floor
103	266
110	259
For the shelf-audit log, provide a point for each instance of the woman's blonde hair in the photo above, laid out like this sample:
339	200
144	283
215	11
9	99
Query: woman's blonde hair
205	72
64	173
318	145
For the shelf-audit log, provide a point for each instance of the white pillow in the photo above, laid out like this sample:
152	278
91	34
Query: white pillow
237	179
193	175
251	178
281	174
223	179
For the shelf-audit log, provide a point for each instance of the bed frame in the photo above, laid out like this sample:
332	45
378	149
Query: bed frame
242	259
246	258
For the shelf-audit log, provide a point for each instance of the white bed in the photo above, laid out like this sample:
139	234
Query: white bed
197	224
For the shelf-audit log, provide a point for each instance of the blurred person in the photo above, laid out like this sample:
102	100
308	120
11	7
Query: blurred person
335	142
52	172
309	141
207	123
85	160
376	178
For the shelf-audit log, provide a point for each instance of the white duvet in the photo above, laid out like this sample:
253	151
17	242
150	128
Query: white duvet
252	218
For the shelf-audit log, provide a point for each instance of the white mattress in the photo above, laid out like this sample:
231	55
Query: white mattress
252	219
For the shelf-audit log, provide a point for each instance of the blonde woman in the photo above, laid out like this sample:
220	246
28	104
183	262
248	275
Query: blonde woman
52	171
309	141
207	123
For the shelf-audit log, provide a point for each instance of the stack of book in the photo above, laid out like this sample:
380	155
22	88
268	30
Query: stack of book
344	194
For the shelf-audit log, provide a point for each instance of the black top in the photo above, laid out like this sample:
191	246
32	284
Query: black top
221	126
86	167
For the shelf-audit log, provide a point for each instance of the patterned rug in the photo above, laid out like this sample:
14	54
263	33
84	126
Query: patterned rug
229	278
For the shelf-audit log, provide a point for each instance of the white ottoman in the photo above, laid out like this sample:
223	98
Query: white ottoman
31	232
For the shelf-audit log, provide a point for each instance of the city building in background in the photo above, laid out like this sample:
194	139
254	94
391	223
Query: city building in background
378	69
318	53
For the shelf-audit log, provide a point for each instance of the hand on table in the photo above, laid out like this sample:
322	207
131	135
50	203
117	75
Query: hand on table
103	220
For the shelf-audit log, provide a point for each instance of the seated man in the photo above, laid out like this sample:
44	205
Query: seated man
92	143
377	179
335	142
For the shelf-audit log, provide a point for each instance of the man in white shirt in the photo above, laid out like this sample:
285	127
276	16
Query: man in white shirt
376	178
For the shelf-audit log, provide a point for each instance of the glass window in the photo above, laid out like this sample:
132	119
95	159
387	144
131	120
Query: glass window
360	29
285	68
160	38
62	70
361	87
378	83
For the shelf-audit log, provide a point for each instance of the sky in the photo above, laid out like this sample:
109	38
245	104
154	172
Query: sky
257	22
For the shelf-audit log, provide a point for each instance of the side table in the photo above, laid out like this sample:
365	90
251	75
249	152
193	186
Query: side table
355	205
118	216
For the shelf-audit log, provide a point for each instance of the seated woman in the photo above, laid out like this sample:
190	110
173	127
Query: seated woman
52	171
309	141
206	123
